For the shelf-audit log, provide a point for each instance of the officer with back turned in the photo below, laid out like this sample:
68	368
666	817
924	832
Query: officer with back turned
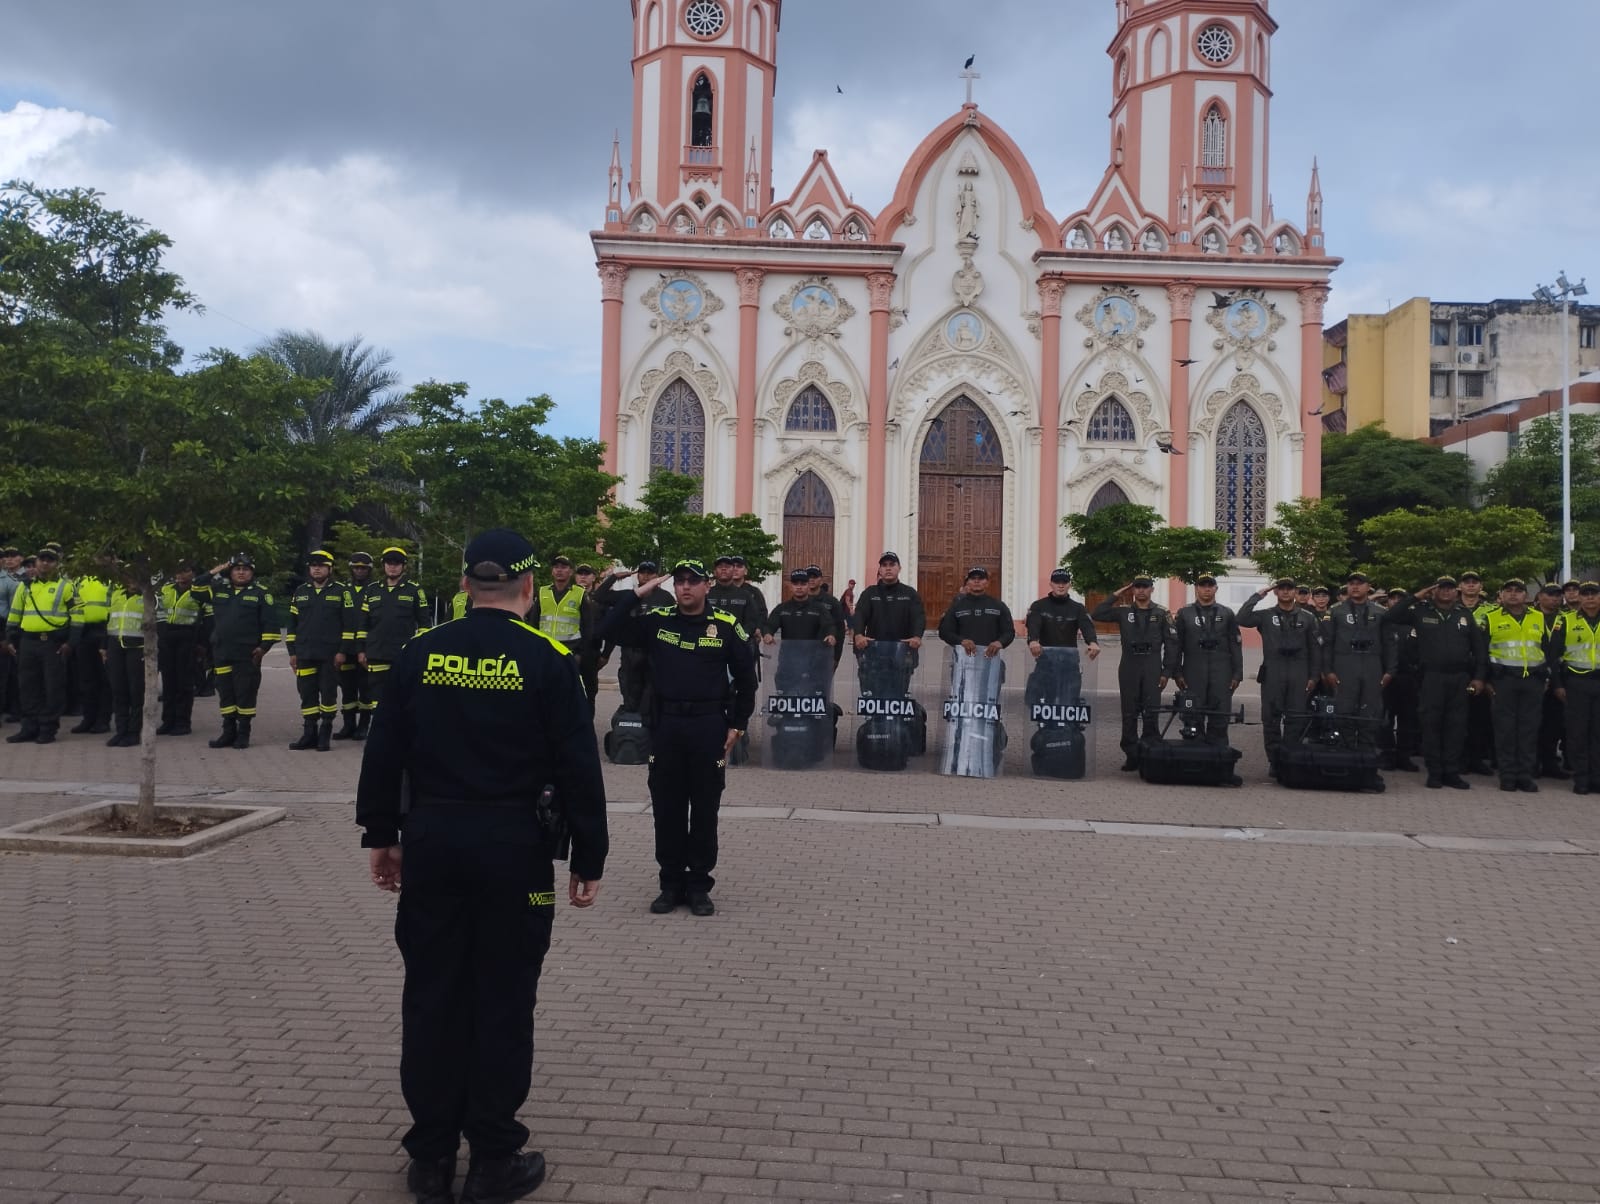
483	720
1288	664
1452	655
1147	645
695	720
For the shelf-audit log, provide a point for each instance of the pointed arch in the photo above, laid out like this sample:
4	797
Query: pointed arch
1153	238
816	228
1079	238
678	436
1240	471
703	110
1111	422
961	505
811	411
808	523
1214	136
755	33
1109	494
1116	238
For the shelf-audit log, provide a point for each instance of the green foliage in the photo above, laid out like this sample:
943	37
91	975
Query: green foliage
1410	548
1373	472
1117	543
1530	476
344	538
1310	542
660	528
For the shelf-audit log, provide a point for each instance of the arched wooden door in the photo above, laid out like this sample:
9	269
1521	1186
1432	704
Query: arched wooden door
961	504
808	525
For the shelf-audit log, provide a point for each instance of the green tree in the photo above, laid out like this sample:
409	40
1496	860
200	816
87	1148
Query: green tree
662	529
1372	472
1411	548
1530	476
1111	546
135	465
1188	553
1310	542
343	420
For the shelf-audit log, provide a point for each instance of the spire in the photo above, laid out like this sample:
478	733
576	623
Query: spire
614	195
1185	210
1314	203
1271	218
752	187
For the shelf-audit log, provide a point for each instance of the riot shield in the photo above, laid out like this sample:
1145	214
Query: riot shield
972	741
796	724
891	725
1060	706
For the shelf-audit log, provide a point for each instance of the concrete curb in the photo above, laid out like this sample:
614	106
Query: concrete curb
38	836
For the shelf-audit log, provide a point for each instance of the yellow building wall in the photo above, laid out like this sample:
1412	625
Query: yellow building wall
1387	367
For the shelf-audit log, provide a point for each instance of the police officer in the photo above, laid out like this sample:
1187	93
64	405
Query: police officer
1321	599
1209	658
91	612
819	590
1058	620
563	612
694	650
352	671
1147	648
976	620
393	611
745	602
479	717
1519	643
803	617
10	582
1553	719
177	635
1288	663
1352	651
1480	719
124	660
1575	659
589	665
39	633
319	642
1451	658
1400	734
890	609
244	629
633	663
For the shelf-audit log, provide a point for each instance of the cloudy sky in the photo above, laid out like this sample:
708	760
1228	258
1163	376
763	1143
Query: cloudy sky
425	172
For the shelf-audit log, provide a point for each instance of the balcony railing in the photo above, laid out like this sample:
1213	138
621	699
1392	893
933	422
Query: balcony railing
702	156
1217	176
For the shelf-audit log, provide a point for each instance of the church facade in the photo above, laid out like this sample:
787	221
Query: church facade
948	376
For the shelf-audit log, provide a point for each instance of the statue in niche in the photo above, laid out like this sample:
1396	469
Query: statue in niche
1116	240
719	228
682	224
645	223
967	211
1078	240
1151	240
781	229
1252	244
1211	244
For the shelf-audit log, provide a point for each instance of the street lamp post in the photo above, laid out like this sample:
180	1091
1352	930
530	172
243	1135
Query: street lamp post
1563	290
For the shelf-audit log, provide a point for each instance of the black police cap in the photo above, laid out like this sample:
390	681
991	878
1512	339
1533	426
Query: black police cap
1144	581
722	560
1205	579
647	566
320	557
889	558
1357	577
689	568
1285	583
977	570
813	570
502	547
1514	583
799	576
1060	575
561	560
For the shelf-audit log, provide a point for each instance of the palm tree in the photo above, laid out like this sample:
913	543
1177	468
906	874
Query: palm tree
362	398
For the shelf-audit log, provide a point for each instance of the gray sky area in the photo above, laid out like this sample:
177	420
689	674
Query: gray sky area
425	172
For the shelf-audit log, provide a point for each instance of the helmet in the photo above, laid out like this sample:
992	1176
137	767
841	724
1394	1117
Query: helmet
241	560
357	558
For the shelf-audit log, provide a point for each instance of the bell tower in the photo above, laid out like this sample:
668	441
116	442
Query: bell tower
704	74
1191	96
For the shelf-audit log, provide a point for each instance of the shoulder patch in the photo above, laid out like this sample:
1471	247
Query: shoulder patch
662	610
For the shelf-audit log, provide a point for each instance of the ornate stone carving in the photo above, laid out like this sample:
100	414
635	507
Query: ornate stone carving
1051	290
1181	298
682	302
1246	386
967	212
968	282
613	280
680	363
1083	485
813	309
1115	319
969	164
880	290
1312	299
1115	384
835	472
1244	321
750	285
812	372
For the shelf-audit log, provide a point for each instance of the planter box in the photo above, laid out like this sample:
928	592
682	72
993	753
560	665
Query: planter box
61	832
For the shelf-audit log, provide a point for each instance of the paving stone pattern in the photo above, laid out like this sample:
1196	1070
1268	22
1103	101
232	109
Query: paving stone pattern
879	1012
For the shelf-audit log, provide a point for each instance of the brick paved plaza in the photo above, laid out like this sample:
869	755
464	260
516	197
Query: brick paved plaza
916	989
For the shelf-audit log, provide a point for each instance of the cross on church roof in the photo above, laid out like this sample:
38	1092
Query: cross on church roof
971	77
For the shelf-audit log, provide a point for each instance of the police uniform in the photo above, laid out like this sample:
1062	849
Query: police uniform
744	601
9	584
1350	645
841	625
321	630
1288	668
1480	707
1400	734
391	616
890	612
91	612
1209	657
692	660
977	617
125	666
353	689
633	664
1147	648
244	627
479	717
567	615
1053	622
802	620
1519	674
177	634
1451	655
1553	717
39	627
1575	658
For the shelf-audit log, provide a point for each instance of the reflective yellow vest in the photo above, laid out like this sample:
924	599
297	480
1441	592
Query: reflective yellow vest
126	624
458	605
1516	643
175	609
561	620
93	604
43	606
1581	653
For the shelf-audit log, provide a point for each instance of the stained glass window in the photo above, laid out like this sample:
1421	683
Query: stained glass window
1241	477
962	439
678	436
1111	423
1214	140
811	411
1109	494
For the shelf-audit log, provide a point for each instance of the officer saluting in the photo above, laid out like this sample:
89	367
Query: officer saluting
482	714
1147	644
693	651
1454	662
1288	663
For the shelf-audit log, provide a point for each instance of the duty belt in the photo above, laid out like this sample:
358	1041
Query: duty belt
44	635
444	800
667	706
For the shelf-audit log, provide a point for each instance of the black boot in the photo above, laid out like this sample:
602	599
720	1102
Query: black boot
308	736
116	740
166	728
363	725
81	727
502	1180
431	1182
347	730
28	733
244	732
230	733
325	734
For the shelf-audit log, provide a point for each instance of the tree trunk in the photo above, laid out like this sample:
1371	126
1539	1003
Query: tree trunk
145	814
316	527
